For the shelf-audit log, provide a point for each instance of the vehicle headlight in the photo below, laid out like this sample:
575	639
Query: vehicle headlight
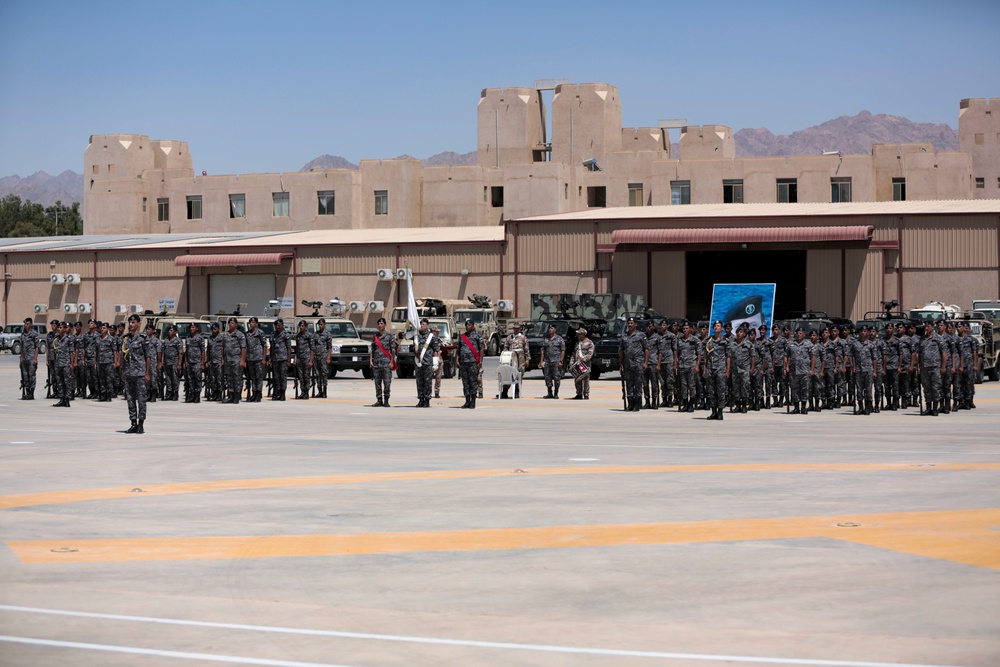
335	349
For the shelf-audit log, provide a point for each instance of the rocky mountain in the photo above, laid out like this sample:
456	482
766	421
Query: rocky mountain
848	134
45	189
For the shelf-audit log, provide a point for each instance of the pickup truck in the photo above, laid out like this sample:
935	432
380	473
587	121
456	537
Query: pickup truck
10	338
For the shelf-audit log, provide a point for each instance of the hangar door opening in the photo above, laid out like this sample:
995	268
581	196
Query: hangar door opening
225	291
785	268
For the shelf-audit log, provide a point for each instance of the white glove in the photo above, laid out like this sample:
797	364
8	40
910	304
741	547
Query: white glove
434	363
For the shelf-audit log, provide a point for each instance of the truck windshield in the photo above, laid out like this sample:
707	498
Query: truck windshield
477	316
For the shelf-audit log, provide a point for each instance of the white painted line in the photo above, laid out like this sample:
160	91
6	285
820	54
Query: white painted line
584	459
21	442
448	642
163	654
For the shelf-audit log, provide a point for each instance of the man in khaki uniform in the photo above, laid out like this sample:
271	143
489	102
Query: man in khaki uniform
517	344
583	354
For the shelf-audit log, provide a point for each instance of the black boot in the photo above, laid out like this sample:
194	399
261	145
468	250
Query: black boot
468	401
796	410
376	404
472	402
140	429
134	428
517	391
548	394
505	391
555	394
385	402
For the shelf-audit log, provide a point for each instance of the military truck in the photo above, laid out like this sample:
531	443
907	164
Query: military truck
349	351
934	312
406	355
490	321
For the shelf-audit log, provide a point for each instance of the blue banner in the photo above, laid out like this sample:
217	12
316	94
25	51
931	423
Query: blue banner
736	303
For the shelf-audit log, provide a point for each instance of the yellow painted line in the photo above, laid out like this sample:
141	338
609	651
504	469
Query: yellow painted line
112	493
963	536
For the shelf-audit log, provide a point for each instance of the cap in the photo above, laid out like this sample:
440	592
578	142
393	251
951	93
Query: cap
516	325
319	321
231	320
582	330
215	325
254	319
133	318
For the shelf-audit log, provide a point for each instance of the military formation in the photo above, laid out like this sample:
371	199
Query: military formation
746	370
663	365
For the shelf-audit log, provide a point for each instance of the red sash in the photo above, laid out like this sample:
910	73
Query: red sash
474	351
392	364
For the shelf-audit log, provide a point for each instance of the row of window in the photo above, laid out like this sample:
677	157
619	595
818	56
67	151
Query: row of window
786	191
280	208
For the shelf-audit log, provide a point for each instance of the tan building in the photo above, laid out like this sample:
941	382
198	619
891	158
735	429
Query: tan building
137	185
844	259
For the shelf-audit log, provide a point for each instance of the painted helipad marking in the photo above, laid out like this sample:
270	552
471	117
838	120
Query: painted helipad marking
440	641
79	495
963	536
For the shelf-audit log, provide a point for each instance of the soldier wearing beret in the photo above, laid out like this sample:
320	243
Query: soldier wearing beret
255	352
427	351
172	349
799	369
214	379
322	354
29	359
470	360
382	361
717	370
281	352
138	370
195	360
107	352
552	361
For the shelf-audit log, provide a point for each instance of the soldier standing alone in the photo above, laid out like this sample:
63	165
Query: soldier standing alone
382	360
517	344
633	358
470	361
29	360
583	354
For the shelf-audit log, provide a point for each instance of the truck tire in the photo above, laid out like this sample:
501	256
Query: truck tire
333	373
993	374
42	347
595	373
493	349
449	369
979	373
366	373
15	348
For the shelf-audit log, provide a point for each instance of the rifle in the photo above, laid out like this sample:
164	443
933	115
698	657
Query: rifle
268	378
621	372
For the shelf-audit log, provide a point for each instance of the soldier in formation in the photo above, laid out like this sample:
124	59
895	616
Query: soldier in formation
64	351
322	352
213	346
427	348
280	355
256	350
234	351
717	370
106	352
171	356
303	359
652	375
195	360
633	357
799	362
688	364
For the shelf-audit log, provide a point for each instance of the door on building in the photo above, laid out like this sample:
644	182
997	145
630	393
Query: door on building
255	290
785	268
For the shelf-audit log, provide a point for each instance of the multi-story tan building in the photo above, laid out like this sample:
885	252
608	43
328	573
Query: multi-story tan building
137	185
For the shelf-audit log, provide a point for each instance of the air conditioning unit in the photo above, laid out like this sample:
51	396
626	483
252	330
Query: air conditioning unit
357	306
73	278
135	308
121	308
57	279
41	308
385	274
505	305
85	308
377	306
403	274
70	308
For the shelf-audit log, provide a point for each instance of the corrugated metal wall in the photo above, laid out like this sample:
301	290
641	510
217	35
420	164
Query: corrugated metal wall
629	274
669	283
556	247
956	242
824	286
864	282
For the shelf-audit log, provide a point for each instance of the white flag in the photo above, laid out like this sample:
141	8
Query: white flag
411	304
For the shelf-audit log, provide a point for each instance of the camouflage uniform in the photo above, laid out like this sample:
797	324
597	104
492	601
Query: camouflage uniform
740	355
634	351
688	354
818	380
767	366
29	362
468	365
382	366
90	364
304	361
968	352
779	386
256	342
281	350
553	349
716	372
843	352
878	343
517	344
799	363
50	364
214	379
831	373
106	350
172	349
668	381
65	358
194	357
153	352
863	355
425	348
137	365
234	344
583	354
892	353
933	355
322	345
905	377
74	376
653	374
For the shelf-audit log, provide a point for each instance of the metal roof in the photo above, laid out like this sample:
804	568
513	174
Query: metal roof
319	237
818	234
718	211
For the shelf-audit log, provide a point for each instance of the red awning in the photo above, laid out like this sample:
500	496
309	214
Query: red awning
235	259
736	235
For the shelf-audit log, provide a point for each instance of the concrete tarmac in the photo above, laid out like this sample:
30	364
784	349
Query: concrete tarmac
525	532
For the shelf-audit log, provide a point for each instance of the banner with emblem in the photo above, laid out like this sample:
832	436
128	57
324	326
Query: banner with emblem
736	303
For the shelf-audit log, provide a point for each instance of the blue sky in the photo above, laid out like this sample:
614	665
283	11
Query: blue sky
267	86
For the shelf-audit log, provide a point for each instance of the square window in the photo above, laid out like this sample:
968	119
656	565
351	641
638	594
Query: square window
94	169
144	200
980	138
194	207
788	191
163	210
237	206
732	191
899	189
840	189
680	192
980	183
111	168
381	202
325	202
279	204
635	194
597	196
496	196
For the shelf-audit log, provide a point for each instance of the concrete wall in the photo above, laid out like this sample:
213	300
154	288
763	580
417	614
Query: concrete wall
979	136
